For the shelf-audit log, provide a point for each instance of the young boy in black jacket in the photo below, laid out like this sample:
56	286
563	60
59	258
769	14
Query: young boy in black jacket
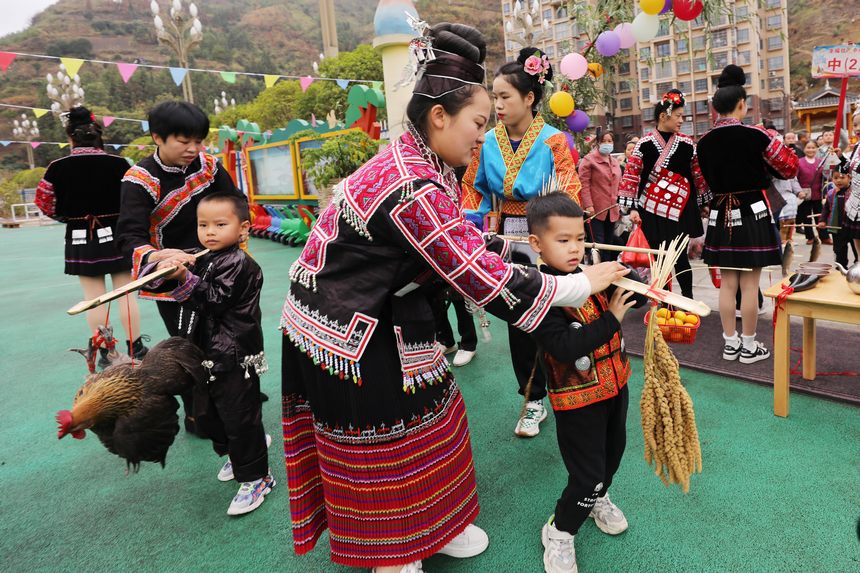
582	353
219	311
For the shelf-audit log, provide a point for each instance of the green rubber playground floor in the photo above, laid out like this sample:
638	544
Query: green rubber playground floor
775	494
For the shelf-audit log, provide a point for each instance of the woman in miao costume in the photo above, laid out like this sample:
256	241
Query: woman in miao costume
518	158
375	435
738	162
852	201
663	185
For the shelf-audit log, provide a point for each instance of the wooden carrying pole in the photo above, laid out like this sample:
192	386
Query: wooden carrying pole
601	246
127	288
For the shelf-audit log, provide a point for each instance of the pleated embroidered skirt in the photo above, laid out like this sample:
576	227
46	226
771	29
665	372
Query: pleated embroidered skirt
390	474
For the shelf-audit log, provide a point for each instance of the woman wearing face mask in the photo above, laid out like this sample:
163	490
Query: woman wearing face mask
738	161
666	156
600	175
518	157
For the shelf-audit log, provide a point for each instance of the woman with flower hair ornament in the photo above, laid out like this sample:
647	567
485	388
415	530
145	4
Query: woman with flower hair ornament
520	155
663	186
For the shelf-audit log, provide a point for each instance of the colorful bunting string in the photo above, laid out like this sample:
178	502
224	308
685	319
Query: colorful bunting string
62	144
126	71
178	74
40	111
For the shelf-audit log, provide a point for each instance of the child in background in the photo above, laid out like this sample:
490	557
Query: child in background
582	353
833	214
219	311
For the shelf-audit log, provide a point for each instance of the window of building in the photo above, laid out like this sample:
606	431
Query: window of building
547	14
701	106
701	85
645	74
682	45
562	30
645	54
779	123
743	35
561	11
720	39
509	45
720	61
715	80
771	4
626	103
776	83
663	70
744	57
664	87
775	104
663	49
683	66
627	121
685	87
775	63
774	42
506	8
646	94
663	30
550	50
774	22
748	79
623	86
741	12
700	64
699	22
702	127
648	115
698	42
624	68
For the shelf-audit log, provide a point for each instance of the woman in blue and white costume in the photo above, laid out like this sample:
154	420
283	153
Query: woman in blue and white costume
519	156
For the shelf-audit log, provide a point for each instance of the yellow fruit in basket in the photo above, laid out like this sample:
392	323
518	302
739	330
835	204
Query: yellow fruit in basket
663	313
680	315
661	321
692	319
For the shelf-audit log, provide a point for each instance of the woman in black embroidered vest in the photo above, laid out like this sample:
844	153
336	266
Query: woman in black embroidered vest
83	191
663	185
738	162
375	434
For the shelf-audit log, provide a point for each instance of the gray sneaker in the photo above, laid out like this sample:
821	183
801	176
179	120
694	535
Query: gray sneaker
226	473
559	554
250	495
608	518
528	425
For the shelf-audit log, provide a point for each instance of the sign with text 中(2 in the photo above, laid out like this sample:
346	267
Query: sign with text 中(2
836	61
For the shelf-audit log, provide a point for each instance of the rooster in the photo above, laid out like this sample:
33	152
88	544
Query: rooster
132	409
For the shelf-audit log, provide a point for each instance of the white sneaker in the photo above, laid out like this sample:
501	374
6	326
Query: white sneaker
528	425
414	567
732	351
759	352
226	473
446	350
463	357
559	553
608	518
473	541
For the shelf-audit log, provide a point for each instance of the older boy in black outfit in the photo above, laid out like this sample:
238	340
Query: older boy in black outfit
586	368
833	213
219	310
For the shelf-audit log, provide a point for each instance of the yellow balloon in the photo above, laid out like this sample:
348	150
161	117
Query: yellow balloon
652	7
595	69
561	104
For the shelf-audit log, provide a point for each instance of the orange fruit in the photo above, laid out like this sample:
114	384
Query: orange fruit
663	313
692	319
661	321
680	315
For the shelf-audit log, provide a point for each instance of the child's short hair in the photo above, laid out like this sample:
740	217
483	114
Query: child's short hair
178	118
239	203
541	208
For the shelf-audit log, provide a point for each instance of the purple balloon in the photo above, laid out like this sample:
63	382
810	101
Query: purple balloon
667	7
608	43
577	121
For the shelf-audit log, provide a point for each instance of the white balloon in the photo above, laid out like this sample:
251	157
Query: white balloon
192	9
645	27
529	21
177	5
153	7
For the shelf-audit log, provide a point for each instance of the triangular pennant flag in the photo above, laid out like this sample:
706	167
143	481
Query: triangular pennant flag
270	79
376	85
126	70
40	111
313	120
107	120
305	82
6	58
72	65
4	143
116	146
141	147
229	77
178	74
144	125
35	144
342	84
62	145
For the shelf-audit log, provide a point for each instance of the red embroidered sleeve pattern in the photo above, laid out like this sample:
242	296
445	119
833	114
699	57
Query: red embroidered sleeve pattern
781	158
628	190
137	259
703	192
433	225
46	201
142	177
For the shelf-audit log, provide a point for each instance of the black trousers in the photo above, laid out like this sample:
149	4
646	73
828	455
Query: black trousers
592	441
523	354
231	415
169	312
603	232
465	322
841	242
804	210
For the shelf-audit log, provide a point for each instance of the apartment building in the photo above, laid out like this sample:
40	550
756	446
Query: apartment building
683	56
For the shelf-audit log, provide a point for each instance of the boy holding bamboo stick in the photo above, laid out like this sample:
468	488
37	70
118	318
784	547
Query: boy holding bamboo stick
582	354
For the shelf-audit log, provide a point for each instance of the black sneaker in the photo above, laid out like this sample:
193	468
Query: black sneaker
136	349
731	352
759	352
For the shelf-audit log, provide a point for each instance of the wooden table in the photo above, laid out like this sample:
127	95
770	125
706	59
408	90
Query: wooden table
830	299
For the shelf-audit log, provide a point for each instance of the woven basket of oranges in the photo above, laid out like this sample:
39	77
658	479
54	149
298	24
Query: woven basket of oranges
676	325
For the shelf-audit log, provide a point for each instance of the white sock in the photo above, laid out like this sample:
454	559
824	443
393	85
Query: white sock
749	341
732	339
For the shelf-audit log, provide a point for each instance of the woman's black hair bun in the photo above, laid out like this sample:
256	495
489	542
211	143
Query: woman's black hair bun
80	116
731	75
529	51
460	39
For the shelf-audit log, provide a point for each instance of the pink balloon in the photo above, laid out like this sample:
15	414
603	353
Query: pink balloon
608	43
577	121
625	33
574	66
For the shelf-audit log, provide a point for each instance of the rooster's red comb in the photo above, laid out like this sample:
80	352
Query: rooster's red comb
64	419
